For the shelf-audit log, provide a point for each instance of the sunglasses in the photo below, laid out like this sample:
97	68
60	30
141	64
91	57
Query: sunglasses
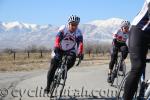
73	24
126	28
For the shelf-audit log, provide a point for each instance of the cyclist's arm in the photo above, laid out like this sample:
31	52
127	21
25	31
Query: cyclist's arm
115	35
58	38
79	41
80	47
80	44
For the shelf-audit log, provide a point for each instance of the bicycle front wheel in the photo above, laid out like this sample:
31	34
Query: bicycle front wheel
55	83
147	93
124	68
121	88
63	81
52	88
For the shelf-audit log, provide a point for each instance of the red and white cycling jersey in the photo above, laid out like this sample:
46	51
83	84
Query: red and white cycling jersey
69	41
120	36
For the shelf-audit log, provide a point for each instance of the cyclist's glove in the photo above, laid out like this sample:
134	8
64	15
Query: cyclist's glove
57	50
114	42
81	56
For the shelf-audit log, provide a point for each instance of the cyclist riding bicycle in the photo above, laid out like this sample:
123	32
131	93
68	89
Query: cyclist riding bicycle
139	39
69	39
119	44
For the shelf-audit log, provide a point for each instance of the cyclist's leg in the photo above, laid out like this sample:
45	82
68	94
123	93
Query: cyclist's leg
54	64
124	51
138	51
71	60
114	54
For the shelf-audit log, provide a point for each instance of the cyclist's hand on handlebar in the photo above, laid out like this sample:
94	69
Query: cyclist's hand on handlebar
114	42
57	49
81	56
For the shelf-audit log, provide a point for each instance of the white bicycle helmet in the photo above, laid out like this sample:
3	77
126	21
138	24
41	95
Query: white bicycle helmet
74	18
125	23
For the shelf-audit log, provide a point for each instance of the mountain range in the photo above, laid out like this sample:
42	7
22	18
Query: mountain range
17	35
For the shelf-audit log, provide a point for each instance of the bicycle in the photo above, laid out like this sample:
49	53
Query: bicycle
147	92
60	77
119	63
143	91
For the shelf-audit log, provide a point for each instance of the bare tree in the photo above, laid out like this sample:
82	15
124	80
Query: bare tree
8	50
96	48
32	48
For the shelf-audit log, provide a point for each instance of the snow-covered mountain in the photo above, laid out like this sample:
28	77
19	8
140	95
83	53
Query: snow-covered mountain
101	29
22	35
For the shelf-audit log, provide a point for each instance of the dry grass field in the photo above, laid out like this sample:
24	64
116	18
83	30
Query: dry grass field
35	61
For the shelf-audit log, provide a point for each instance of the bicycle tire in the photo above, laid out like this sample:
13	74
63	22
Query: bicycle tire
124	68
64	82
55	83
147	93
117	67
121	87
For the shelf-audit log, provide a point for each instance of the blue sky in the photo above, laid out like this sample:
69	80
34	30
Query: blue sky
56	12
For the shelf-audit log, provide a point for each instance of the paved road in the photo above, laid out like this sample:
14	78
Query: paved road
83	83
